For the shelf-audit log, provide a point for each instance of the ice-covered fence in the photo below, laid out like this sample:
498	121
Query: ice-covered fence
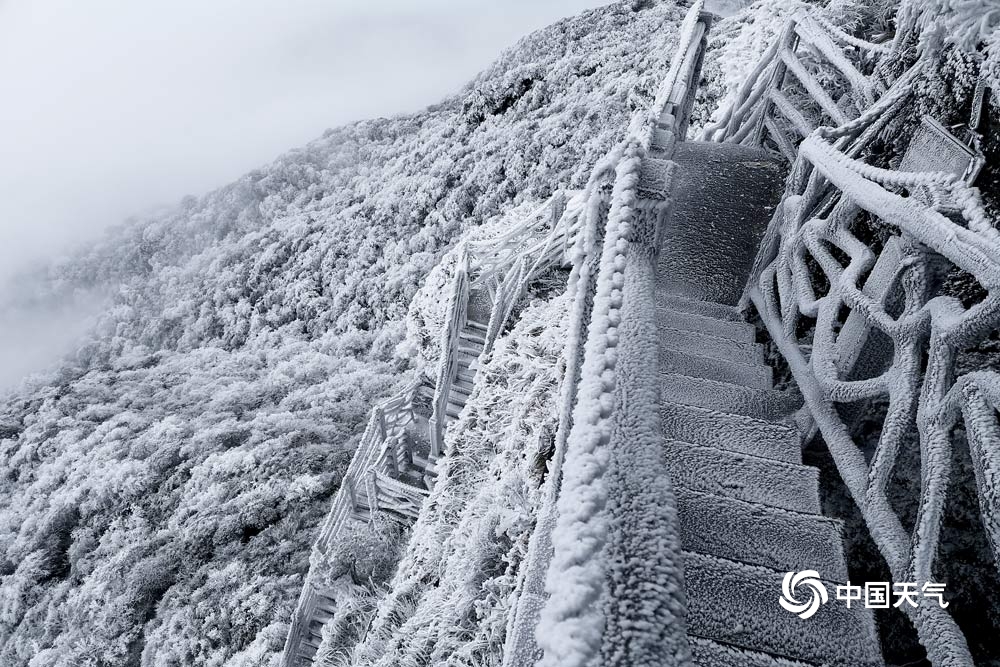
520	256
544	236
448	363
356	497
850	286
614	428
503	266
814	74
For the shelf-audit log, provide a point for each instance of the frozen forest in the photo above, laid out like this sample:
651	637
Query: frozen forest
162	484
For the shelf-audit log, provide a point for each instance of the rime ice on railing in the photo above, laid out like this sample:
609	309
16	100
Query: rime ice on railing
574	628
855	318
784	99
826	297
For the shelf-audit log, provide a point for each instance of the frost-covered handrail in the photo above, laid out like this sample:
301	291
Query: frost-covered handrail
448	362
588	545
675	95
520	646
828	67
529	239
386	421
851	297
849	40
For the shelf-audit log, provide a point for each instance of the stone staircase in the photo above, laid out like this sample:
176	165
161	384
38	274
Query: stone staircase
471	341
748	509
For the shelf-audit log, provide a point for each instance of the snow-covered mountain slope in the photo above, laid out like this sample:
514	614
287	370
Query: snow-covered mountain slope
161	487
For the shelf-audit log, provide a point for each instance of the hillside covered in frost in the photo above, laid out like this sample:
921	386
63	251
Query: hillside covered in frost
161	485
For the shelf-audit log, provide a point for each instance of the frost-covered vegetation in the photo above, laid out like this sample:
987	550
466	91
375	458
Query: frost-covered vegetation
161	486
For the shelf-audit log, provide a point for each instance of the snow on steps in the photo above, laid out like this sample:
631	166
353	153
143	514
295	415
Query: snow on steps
462	386
759	534
756	376
707	344
766	404
706	653
716	311
679	319
471	342
737	604
748	509
737	433
473	337
743	476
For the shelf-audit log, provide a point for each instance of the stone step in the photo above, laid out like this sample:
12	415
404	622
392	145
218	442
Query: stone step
453	409
723	197
319	618
675	319
754	376
424	463
461	388
476	326
743	476
470	350
474	336
708	345
737	604
463	383
706	653
736	433
767	404
761	535
716	311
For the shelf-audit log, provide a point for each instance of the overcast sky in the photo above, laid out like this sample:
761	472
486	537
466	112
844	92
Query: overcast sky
112	107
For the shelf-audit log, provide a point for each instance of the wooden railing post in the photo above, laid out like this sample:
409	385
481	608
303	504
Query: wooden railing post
448	364
786	40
